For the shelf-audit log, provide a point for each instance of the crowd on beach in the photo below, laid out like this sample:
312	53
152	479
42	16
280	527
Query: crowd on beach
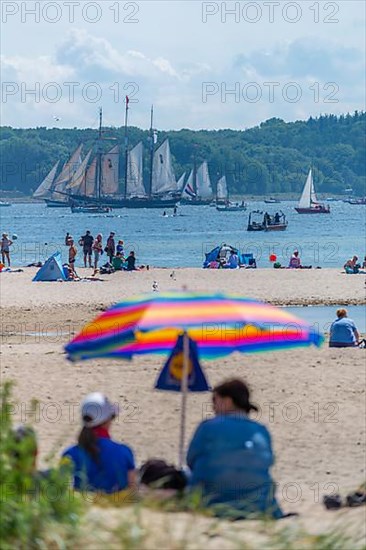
117	260
93	249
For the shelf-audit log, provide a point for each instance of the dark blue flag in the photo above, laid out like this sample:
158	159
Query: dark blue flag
170	378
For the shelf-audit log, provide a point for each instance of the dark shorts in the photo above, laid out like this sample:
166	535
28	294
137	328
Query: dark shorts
342	345
87	251
72	261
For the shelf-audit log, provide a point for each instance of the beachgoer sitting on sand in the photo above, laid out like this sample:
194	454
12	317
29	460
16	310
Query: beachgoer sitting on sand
351	266
233	261
99	463
295	261
230	456
24	450
131	262
117	262
343	331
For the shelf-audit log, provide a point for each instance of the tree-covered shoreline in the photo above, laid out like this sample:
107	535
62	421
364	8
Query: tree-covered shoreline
273	157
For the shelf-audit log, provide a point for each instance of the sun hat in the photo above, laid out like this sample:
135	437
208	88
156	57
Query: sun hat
96	409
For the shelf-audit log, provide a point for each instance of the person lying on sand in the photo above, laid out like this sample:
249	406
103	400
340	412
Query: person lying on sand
99	463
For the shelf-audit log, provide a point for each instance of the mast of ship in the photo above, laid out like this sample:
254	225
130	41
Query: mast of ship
152	139
126	147
98	172
195	169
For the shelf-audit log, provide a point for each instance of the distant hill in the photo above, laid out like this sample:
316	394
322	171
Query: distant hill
271	158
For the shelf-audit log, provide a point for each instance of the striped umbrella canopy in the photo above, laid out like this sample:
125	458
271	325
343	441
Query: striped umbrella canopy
219	323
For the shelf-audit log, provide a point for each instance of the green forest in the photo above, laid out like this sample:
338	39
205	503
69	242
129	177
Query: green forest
273	157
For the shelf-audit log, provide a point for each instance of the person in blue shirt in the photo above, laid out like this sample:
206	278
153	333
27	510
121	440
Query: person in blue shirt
99	463
233	261
230	456
343	331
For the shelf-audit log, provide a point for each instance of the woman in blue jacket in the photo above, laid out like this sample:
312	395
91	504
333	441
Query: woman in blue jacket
99	463
230	456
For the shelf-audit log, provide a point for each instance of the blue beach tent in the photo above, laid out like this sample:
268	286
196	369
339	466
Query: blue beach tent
223	252
52	270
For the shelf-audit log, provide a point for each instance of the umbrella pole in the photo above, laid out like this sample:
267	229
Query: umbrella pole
184	390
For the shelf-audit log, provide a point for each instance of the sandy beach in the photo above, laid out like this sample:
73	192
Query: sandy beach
312	401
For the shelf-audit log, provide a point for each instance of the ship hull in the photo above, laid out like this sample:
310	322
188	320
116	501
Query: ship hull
322	210
124	203
56	204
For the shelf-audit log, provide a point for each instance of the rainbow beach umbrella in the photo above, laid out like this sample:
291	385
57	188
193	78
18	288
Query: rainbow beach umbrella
220	324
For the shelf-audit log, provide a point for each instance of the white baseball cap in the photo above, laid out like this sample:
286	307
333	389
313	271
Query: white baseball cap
96	409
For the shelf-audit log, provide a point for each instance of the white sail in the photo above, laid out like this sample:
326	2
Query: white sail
90	189
110	167
313	197
222	192
77	183
45	189
204	188
69	170
163	177
135	185
305	199
180	182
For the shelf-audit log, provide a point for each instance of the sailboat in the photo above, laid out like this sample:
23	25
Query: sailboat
198	189
162	184
53	188
308	203
222	198
95	180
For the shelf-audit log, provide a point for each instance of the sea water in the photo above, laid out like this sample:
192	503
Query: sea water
181	241
322	317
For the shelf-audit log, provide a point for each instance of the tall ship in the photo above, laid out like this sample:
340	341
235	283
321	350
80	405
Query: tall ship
198	189
53	189
309	203
97	181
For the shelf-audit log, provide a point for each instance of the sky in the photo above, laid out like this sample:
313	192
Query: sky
203	65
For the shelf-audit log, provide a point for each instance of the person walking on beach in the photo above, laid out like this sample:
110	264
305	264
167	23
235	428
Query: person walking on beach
230	456
343	331
86	242
98	250
72	255
110	247
5	248
99	463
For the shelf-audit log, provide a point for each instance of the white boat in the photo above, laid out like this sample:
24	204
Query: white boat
2	203
223	204
90	209
232	207
309	203
272	200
